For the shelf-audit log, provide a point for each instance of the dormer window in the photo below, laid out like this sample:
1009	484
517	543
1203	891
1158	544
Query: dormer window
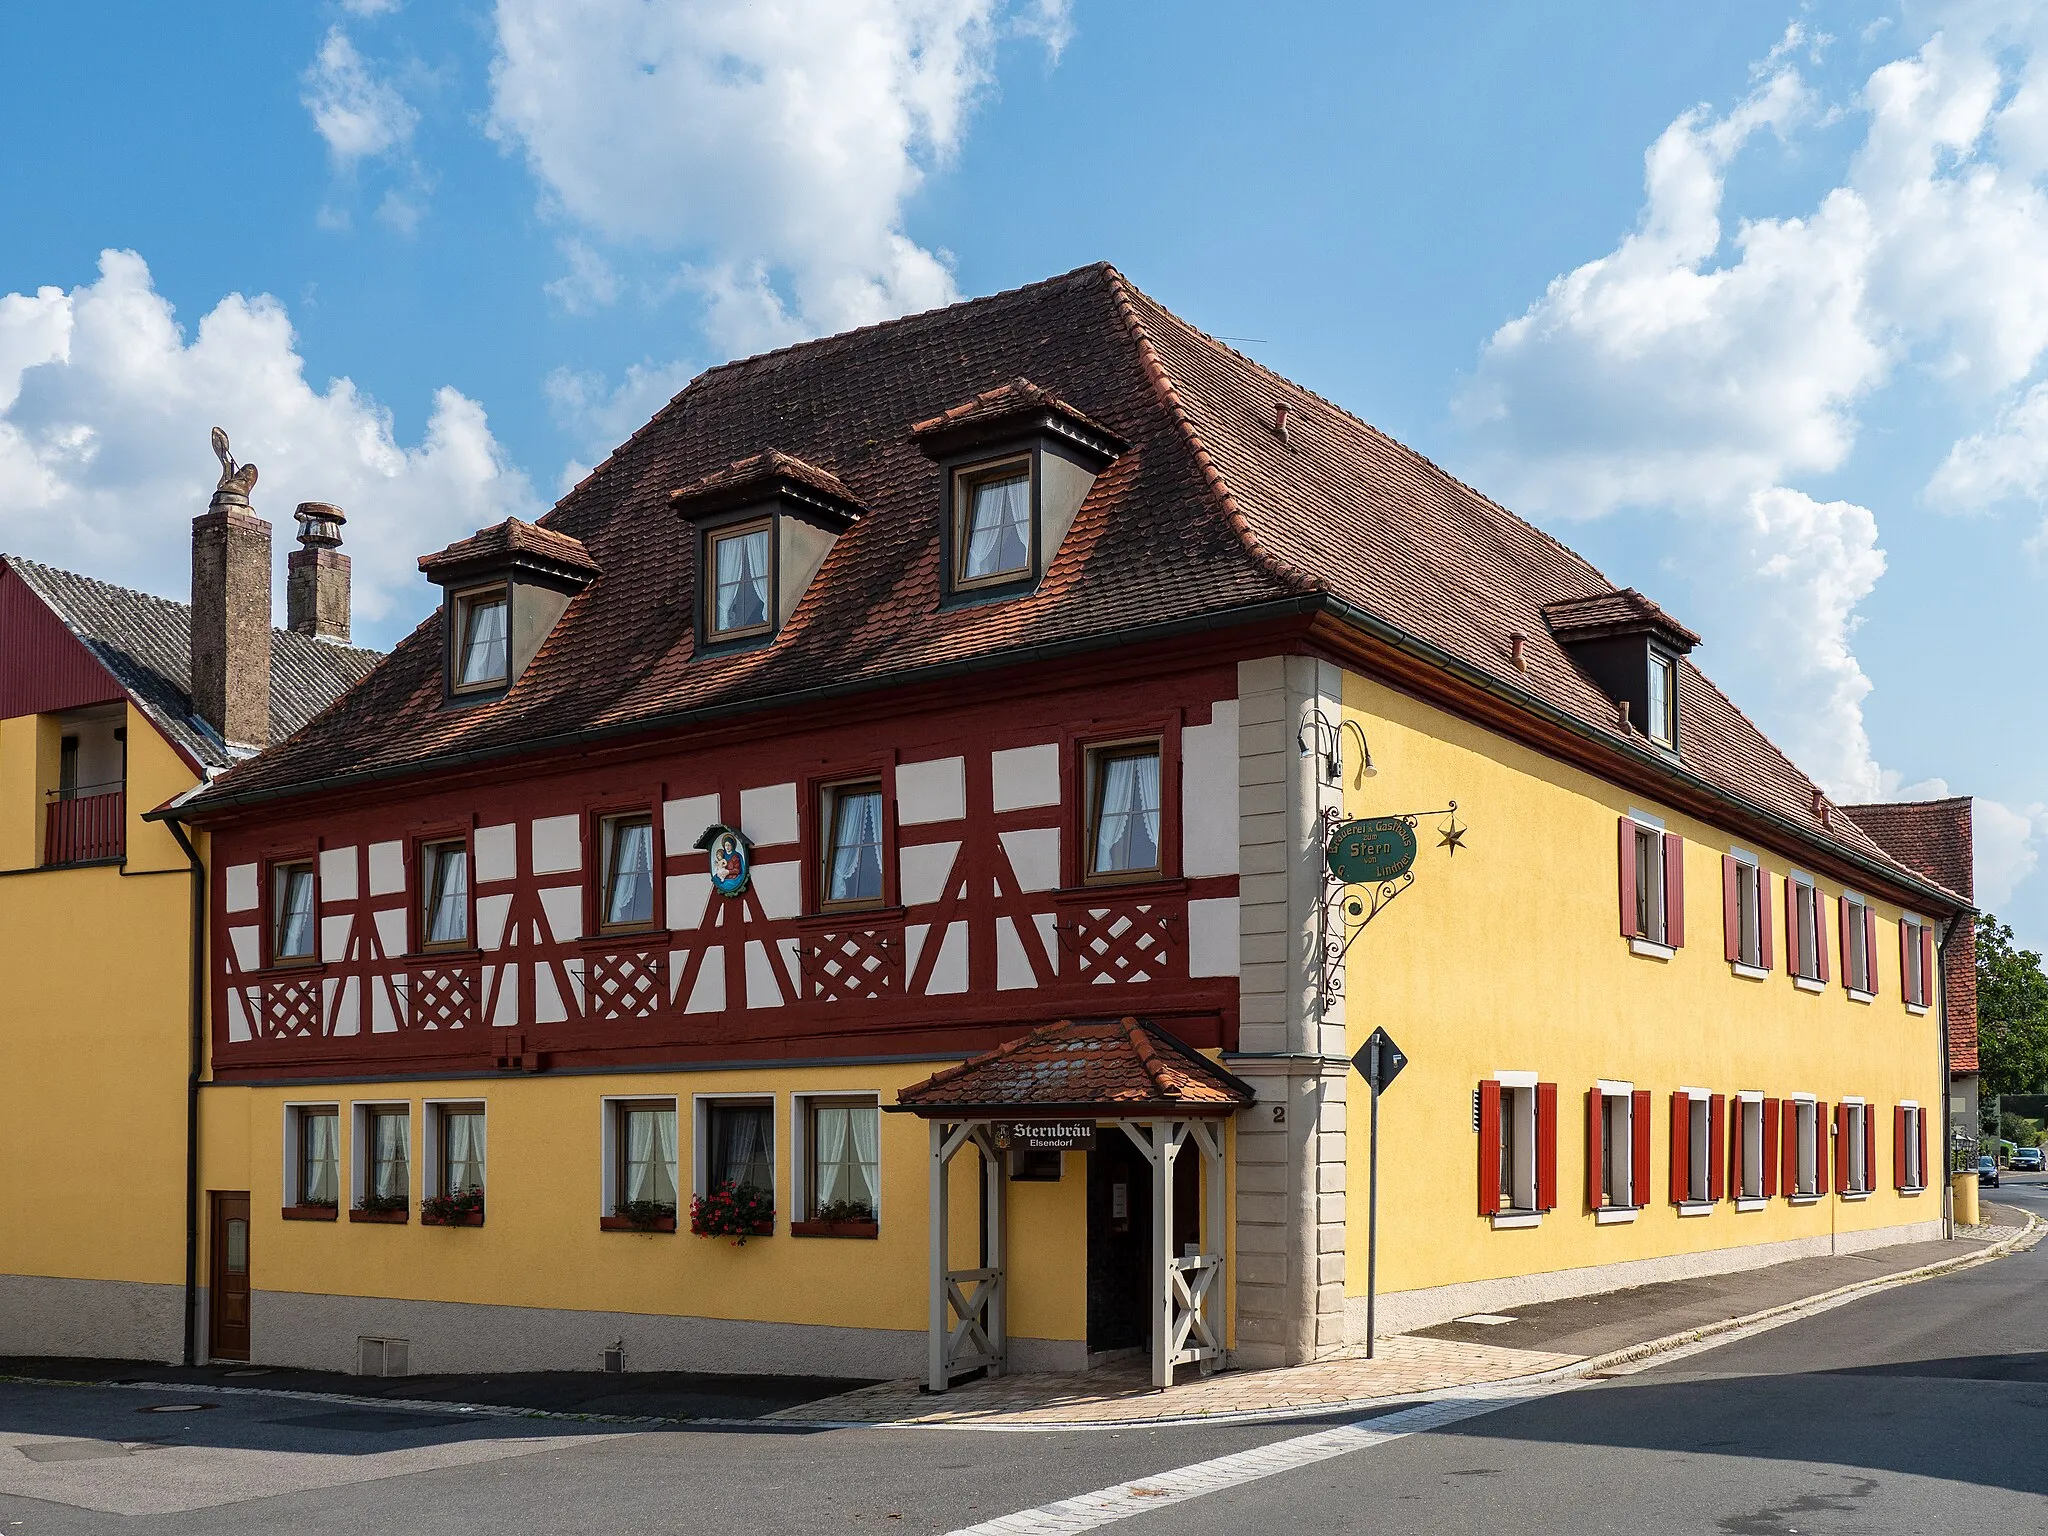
1016	463
480	632
741	589
992	523
507	587
764	527
1629	649
1660	720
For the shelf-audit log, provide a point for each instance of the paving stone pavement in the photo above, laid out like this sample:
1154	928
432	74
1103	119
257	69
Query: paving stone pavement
1122	1393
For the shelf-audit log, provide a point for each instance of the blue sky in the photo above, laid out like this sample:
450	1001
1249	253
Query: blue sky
1747	302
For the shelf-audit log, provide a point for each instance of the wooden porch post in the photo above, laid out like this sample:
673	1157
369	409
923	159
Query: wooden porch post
936	1377
1217	1239
998	1188
1165	1142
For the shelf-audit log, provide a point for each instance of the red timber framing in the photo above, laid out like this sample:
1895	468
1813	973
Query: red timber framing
986	925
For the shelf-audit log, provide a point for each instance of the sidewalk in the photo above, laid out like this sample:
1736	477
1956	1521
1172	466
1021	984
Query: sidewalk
1583	1334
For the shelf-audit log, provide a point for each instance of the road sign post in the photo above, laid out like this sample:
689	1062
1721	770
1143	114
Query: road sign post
1379	1061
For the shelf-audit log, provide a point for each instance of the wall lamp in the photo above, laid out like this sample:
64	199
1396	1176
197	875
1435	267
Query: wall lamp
1319	736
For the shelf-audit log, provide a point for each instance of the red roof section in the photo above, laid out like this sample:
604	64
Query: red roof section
1621	612
1937	838
1123	1067
511	540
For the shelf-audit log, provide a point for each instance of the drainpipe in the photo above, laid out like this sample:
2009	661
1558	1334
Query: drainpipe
197	1027
1948	1207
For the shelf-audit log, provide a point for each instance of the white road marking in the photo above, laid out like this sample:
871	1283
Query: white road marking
1137	1496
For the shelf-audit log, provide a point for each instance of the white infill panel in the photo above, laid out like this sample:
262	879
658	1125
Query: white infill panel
491	912
557	845
926	868
1034	854
564	907
780	887
764	988
688	895
241	887
768	814
1026	777
932	791
708	995
949	971
243	942
334	933
387	869
497	853
1013	964
1213	936
1209	809
684	821
338	874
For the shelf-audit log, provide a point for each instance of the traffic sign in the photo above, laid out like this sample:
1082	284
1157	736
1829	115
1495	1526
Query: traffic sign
1379	1060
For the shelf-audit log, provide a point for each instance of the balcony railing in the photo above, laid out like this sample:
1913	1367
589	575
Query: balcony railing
85	824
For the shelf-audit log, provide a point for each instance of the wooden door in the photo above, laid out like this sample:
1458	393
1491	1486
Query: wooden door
228	1278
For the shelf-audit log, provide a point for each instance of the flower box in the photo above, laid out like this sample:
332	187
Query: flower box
392	1218
311	1212
631	1224
735	1213
835	1229
457	1219
459	1210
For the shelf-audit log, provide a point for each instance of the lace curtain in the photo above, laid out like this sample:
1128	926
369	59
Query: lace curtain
999	529
857	846
320	1178
631	899
465	1154
483	651
391	1156
651	1155
1127	826
742	1151
448	923
742	581
847	1153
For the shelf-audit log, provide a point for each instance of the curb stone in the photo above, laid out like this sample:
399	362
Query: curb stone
1634	1355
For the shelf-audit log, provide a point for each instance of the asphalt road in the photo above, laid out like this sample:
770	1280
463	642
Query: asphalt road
1924	1408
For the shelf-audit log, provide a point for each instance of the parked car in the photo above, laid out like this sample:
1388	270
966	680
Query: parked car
2027	1160
1987	1172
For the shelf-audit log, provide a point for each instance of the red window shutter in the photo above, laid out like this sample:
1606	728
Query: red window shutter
1848	970
1820	936
1843	1148
1489	1146
1763	918
1788	1147
1731	908
1716	1121
1628	880
1898	1146
1639	1148
1926	979
1791	927
1906	961
1546	1146
1870	950
1674	890
1923	1147
1770	1168
1681	1149
1593	1158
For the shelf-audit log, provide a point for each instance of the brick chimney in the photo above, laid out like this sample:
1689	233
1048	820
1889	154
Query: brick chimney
316	580
231	608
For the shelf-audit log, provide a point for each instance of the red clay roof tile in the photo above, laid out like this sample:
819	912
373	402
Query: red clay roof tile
1122	1066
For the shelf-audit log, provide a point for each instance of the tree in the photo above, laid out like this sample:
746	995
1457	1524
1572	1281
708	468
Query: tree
2012	1012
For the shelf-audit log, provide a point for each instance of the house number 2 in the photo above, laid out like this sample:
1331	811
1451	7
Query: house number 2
1279	1114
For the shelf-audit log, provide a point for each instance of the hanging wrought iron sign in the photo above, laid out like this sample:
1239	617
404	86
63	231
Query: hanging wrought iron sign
1370	862
1364	852
732	858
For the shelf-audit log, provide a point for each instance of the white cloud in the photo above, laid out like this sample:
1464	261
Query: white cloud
369	8
2008	848
1703	375
773	147
359	115
105	407
590	283
600	415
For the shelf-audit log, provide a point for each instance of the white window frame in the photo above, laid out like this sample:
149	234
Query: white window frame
1919	1009
1859	909
700	1142
1662	728
1656	922
363	1149
1916	1176
800	1143
295	1111
1752	1133
1806	1131
1750	882
1803	892
430	1142
1699	1152
1858	1149
611	1127
1518	1138
1610	1090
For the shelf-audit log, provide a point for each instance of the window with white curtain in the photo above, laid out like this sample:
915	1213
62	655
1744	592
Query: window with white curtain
853	847
645	1151
741	597
444	872
317	1156
483	660
992	524
739	1144
292	926
628	843
388	1153
844	1160
1123	832
462	1148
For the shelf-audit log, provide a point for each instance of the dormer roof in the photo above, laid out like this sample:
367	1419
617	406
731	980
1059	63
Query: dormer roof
512	545
1623	611
761	477
1009	411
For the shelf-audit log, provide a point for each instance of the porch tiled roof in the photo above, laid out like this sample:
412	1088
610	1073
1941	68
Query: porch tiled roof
1119	1066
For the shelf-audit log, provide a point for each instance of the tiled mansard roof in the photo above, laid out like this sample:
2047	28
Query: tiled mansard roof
1206	511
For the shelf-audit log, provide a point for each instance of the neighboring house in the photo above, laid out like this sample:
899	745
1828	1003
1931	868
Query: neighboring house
948	722
99	912
1937	838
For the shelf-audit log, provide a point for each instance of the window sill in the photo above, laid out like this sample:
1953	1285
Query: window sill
1695	1207
1508	1221
1861	997
464	1219
1809	984
1752	1203
834	1229
1916	1189
1749	972
1615	1215
450	952
383	1218
1855	1194
278	968
611	938
1918	1010
1804	1199
627	1224
1651	950
310	1213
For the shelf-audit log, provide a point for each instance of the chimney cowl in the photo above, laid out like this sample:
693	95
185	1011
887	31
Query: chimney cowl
319	524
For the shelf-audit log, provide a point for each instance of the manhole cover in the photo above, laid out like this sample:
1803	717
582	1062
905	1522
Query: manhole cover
177	1408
